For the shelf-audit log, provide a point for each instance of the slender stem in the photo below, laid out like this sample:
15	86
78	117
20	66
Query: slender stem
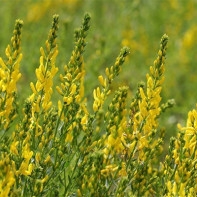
131	155
69	184
58	121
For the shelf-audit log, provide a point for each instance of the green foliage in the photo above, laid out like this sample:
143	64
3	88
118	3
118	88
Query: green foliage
67	142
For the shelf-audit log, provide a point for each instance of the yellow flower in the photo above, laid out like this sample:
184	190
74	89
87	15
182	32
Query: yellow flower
84	120
38	157
45	179
13	147
69	138
47	159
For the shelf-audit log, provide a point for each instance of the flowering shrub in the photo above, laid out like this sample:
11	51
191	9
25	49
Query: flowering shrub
72	151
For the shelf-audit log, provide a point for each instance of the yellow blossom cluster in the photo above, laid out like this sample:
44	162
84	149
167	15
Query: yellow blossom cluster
117	122
9	75
143	125
6	171
111	73
180	171
72	87
42	90
72	151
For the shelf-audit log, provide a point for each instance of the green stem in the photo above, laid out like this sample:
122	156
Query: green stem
70	184
58	122
131	155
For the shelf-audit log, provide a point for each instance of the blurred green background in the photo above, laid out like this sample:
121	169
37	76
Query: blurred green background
138	24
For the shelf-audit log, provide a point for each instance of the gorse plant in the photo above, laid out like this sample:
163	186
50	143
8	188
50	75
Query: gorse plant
70	151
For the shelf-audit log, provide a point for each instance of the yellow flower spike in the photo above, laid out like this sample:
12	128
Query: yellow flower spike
123	137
